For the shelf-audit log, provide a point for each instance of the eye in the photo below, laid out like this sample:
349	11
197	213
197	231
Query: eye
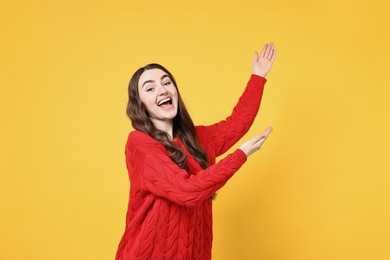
167	83
149	89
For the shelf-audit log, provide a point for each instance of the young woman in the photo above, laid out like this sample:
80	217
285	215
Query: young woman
171	163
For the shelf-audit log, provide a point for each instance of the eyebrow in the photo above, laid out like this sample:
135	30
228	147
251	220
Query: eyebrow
151	81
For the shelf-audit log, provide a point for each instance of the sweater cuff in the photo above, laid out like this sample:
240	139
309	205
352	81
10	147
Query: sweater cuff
240	156
258	79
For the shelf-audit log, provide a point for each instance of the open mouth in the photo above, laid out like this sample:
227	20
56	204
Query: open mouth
165	102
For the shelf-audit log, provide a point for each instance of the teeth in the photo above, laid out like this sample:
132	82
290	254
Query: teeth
164	100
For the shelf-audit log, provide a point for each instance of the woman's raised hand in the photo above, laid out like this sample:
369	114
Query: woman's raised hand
254	144
262	63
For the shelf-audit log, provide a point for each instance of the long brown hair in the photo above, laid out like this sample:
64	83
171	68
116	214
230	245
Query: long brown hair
183	127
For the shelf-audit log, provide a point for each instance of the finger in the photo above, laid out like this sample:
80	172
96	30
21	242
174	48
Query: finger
264	135
263	51
254	140
273	56
266	52
271	51
268	130
261	136
258	139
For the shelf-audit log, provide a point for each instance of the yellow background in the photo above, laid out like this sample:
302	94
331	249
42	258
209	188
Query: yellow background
319	187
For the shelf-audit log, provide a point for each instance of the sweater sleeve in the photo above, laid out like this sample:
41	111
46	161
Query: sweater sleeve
149	160
224	134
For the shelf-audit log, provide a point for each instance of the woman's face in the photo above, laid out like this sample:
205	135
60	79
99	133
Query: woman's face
159	95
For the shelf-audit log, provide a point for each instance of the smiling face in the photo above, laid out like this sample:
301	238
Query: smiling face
159	95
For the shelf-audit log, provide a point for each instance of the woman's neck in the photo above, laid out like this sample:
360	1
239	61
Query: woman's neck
166	126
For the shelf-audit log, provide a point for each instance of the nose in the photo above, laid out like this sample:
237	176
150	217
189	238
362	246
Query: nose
163	90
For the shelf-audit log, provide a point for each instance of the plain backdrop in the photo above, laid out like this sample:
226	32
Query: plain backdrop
317	190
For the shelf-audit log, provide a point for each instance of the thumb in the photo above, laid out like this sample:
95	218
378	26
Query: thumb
256	57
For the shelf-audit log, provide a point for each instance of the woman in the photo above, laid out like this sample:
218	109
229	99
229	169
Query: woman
171	163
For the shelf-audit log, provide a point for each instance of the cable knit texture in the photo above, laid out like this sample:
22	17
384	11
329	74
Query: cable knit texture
170	210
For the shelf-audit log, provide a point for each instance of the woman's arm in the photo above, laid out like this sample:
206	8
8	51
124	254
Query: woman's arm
223	135
149	161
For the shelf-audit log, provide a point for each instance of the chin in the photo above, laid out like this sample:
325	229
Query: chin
171	115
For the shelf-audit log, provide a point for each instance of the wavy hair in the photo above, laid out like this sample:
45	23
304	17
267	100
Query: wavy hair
183	126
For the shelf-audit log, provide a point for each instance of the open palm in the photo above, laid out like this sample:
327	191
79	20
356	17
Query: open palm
254	144
262	63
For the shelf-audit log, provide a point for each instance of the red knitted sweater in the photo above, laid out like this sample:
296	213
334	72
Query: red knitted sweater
170	210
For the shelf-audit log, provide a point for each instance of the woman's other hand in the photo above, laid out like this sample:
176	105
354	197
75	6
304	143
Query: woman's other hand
262	63
254	144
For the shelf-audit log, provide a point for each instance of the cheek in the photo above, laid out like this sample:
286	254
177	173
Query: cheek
146	101
174	93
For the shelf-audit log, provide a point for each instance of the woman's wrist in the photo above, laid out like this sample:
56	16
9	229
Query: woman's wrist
261	74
